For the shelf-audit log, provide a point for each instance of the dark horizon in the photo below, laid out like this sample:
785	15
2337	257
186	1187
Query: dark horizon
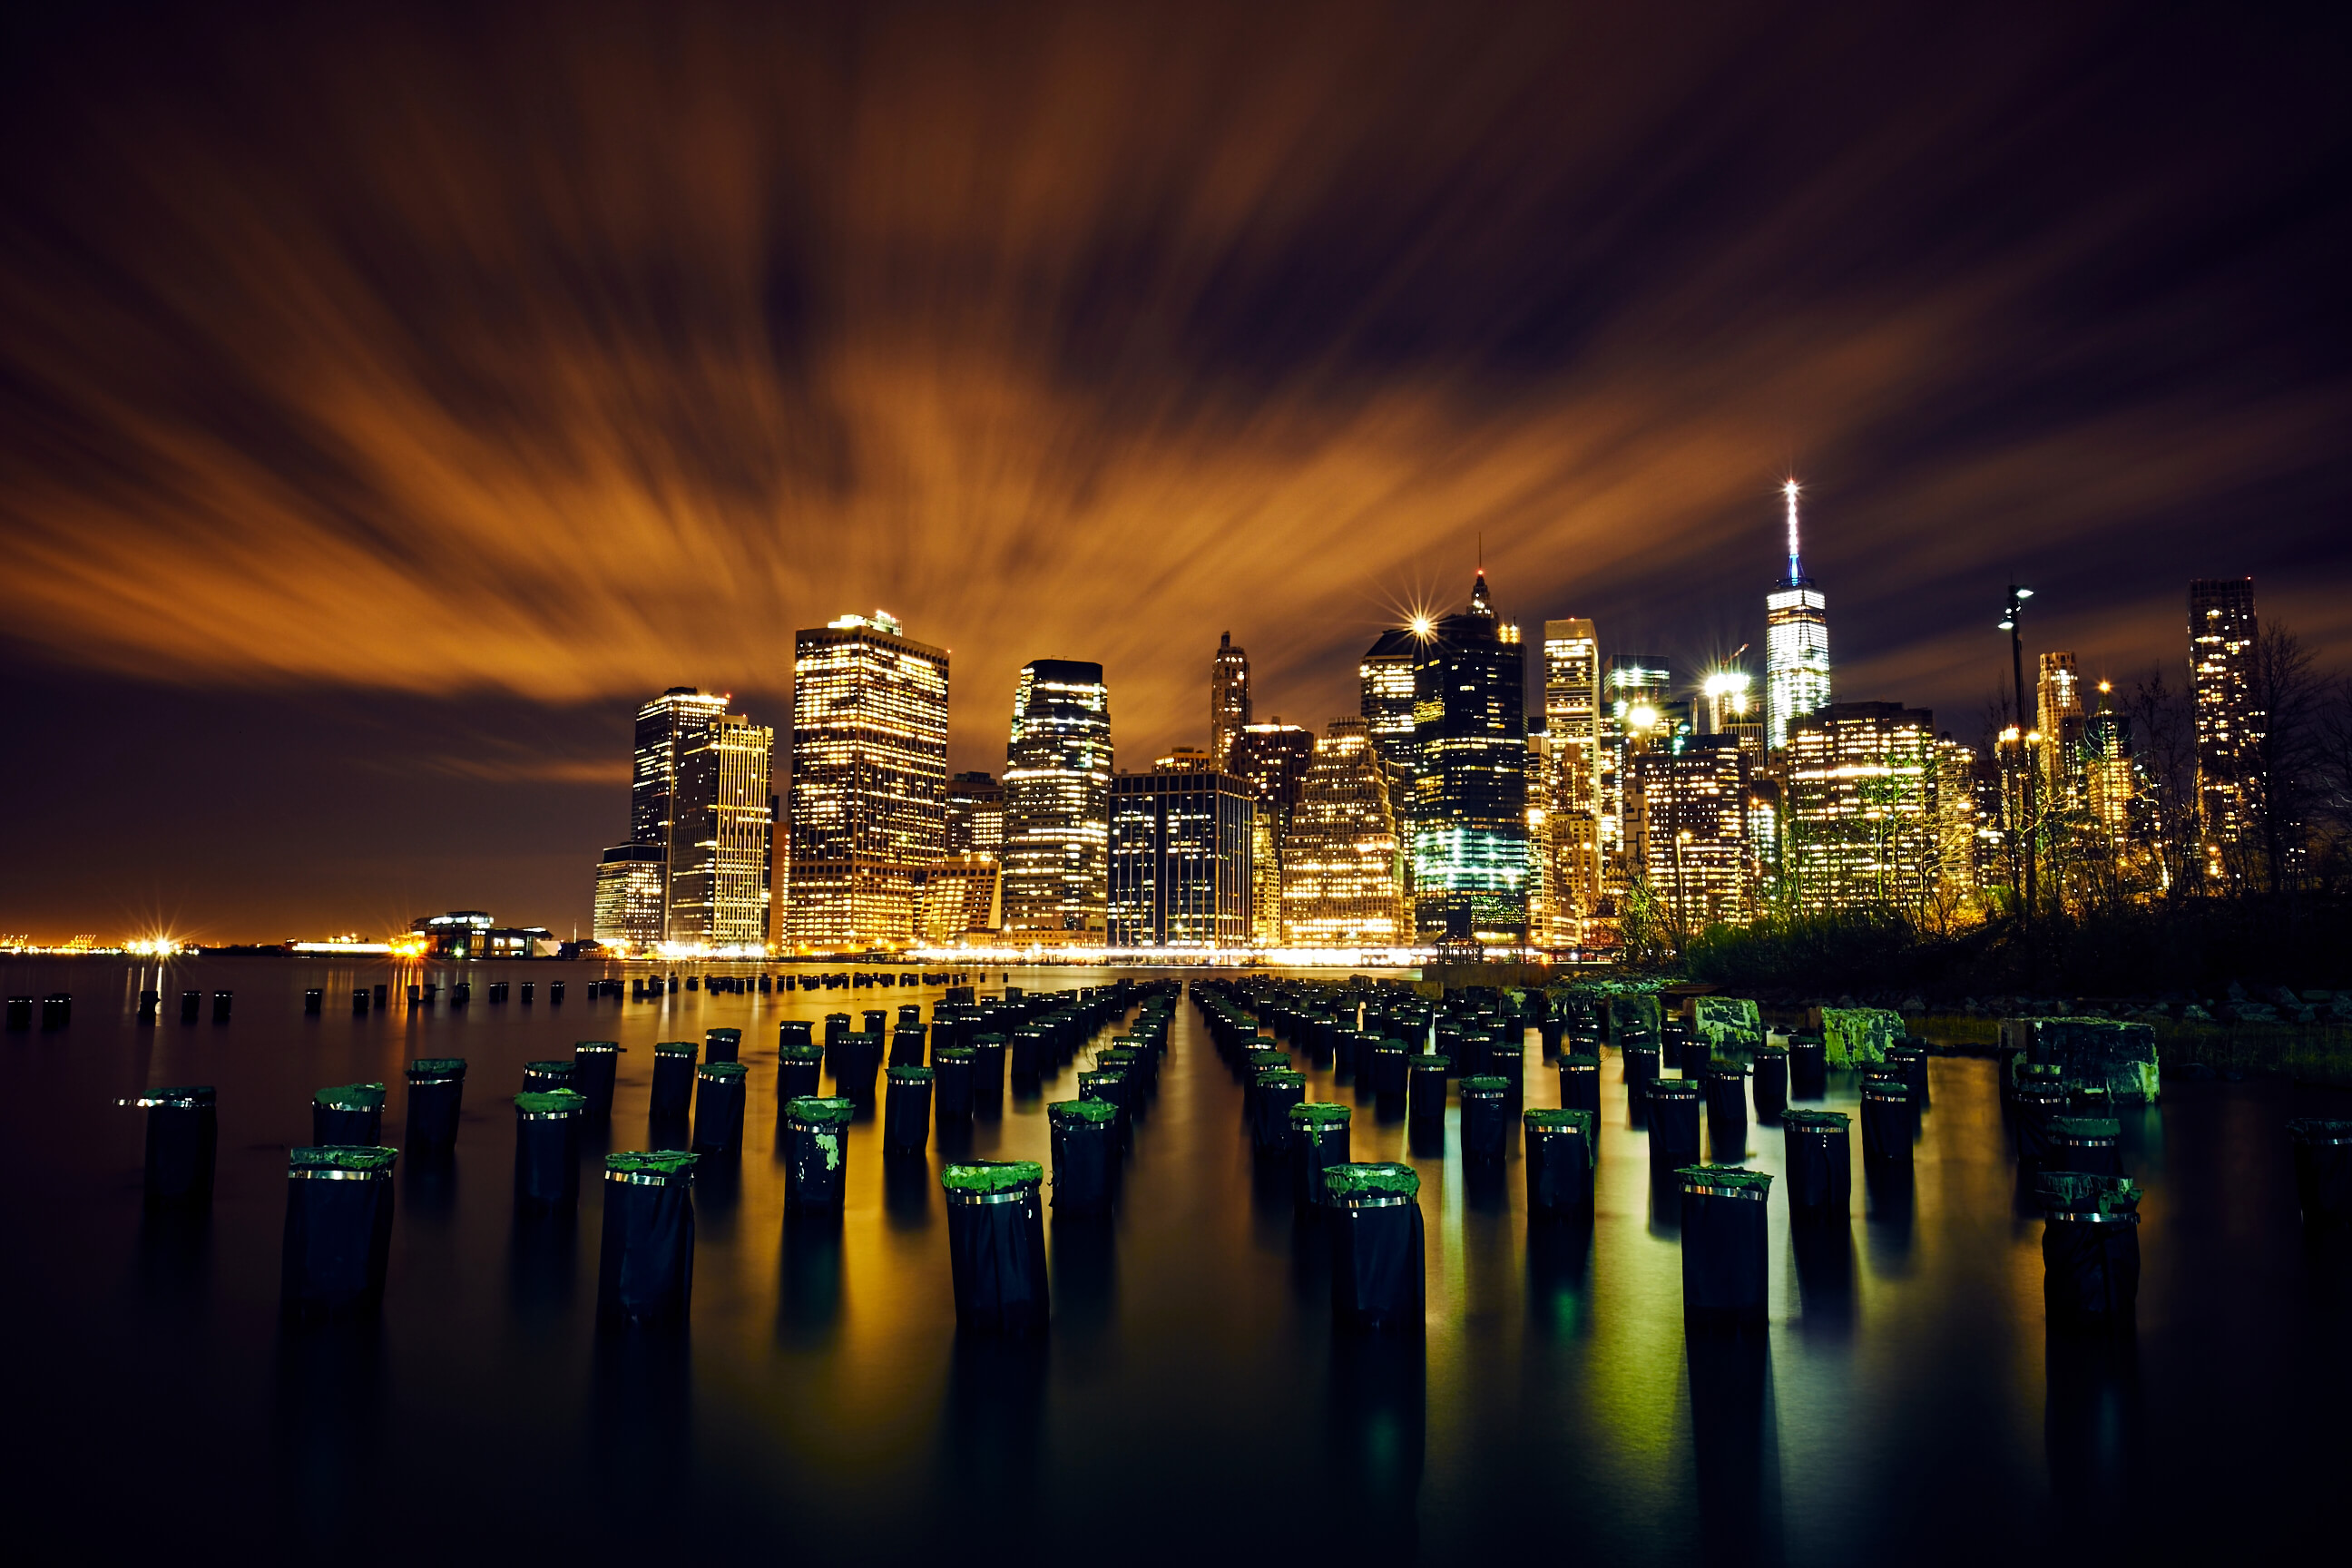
394	402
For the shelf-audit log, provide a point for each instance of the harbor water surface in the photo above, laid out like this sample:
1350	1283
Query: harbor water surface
1907	1402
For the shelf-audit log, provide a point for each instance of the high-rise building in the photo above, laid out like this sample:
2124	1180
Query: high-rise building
1229	699
1058	779
1384	676
1861	823
631	893
975	814
677	721
1959	826
1179	856
1694	815
722	823
2231	725
2110	771
1341	858
1540	788
1469	801
1639	711
1273	758
2058	710
1573	727
869	781
1796	643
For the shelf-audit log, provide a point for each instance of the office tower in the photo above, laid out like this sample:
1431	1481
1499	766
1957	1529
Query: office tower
722	821
1796	643
671	724
1057	778
1539	789
631	893
1469	801
975	814
1573	719
958	896
1341	858
1273	758
2058	720
869	781
1694	815
1861	800
1385	678
1179	856
1229	699
2231	725
2110	771
1638	711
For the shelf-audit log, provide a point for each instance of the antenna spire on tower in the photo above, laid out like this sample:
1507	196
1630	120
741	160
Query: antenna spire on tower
1796	571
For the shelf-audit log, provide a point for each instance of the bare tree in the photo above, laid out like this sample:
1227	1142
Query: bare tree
2288	690
2164	727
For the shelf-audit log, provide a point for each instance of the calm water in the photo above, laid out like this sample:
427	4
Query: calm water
1905	1404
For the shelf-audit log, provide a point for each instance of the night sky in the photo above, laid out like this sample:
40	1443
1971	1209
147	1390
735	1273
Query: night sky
390	402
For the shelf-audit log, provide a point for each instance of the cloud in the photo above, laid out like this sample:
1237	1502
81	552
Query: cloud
571	356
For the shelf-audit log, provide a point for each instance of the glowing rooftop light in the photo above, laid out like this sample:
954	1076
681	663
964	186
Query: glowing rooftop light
1422	625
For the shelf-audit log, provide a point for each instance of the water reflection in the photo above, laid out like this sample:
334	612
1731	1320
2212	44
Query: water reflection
809	1307
641	1449
1822	1253
2094	1427
1376	1434
329	1399
1735	1446
1559	1259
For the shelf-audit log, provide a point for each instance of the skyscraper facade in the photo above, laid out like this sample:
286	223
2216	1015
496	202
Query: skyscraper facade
671	725
1384	678
1693	817
1469	801
631	893
869	781
1179	857
1058	779
1273	758
1572	841
2231	726
1229	699
975	814
2058	720
1639	711
1796	643
1863	824
723	820
1340	858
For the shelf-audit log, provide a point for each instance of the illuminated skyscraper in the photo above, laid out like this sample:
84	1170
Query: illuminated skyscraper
1385	677
975	814
2058	706
1273	758
1179	856
2231	724
2110	771
1796	643
1862	827
869	781
1469	801
1229	699
1341	856
1638	711
1571	842
631	891
1693	817
1058	779
722	821
677	721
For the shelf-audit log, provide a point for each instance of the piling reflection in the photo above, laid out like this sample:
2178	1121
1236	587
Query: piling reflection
1560	1268
2093	1426
641	1449
808	1313
991	1433
1735	1446
1082	1265
907	1185
1378	1406
1822	1253
330	1420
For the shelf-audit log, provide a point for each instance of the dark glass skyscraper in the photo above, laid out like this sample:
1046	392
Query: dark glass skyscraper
1179	857
1057	778
1470	791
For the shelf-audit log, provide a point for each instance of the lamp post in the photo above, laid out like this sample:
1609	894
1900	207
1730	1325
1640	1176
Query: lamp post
2021	841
